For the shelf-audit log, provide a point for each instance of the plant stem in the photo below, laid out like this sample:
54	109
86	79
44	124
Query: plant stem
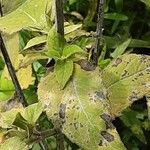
99	32
11	68
59	20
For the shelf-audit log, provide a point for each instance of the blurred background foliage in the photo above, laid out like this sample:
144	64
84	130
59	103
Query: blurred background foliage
126	30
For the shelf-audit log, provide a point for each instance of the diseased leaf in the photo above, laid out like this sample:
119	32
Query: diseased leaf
70	50
35	41
14	142
121	48
81	105
126	80
26	16
63	71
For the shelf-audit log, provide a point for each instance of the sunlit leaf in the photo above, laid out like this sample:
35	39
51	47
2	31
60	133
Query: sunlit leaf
26	16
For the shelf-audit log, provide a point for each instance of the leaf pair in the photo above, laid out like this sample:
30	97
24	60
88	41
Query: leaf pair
63	55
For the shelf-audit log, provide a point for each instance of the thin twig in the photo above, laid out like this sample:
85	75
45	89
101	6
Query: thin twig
99	31
11	68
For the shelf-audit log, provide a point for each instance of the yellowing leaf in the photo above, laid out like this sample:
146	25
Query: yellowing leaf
31	14
126	80
14	143
30	58
82	106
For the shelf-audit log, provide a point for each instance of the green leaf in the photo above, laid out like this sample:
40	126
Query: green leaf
63	71
32	113
35	41
70	50
126	80
115	16
103	63
129	118
14	143
80	104
55	41
121	48
26	16
53	54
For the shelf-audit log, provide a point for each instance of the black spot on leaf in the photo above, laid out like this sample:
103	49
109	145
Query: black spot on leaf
107	136
62	111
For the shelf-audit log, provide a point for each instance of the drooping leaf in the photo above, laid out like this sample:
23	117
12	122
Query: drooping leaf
121	48
14	142
63	71
26	16
30	58
35	41
81	104
126	80
70	50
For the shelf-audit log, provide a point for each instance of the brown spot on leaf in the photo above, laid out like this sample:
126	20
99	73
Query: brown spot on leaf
117	62
62	111
107	136
100	95
108	121
125	73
